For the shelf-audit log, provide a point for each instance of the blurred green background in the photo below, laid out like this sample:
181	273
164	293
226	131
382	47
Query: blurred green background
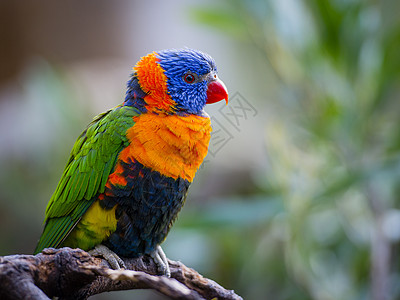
298	198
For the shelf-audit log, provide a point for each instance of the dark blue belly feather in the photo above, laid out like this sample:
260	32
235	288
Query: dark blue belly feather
147	207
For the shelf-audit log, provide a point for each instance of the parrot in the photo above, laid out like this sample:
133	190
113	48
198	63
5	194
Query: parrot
129	171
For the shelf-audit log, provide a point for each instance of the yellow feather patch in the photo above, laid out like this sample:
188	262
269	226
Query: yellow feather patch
95	226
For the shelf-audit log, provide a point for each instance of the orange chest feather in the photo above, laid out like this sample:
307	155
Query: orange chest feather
174	146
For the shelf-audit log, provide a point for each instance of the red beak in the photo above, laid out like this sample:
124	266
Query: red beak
216	91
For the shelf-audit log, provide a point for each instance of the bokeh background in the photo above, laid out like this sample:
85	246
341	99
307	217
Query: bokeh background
299	196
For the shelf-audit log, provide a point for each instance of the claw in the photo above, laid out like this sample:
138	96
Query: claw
113	259
160	259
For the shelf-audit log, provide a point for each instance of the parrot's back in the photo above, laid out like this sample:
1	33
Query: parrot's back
92	159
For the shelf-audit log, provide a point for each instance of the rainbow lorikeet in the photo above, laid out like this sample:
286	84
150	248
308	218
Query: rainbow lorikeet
129	172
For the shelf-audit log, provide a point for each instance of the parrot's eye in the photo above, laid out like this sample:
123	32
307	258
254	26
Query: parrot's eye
189	78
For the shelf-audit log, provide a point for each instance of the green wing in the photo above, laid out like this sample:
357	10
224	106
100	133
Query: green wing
92	160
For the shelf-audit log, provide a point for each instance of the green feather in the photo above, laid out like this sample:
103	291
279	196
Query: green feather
92	160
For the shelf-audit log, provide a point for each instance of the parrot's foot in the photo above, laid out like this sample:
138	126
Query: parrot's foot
113	259
160	259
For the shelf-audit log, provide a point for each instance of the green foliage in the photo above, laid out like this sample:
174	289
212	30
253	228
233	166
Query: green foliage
333	147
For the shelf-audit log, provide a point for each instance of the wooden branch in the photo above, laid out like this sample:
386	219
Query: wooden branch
74	274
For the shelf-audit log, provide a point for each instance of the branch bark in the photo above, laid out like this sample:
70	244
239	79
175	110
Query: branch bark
74	274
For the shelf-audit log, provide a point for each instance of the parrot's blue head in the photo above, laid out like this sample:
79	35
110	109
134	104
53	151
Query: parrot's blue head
179	81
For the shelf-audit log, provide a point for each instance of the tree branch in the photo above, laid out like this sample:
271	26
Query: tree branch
74	274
